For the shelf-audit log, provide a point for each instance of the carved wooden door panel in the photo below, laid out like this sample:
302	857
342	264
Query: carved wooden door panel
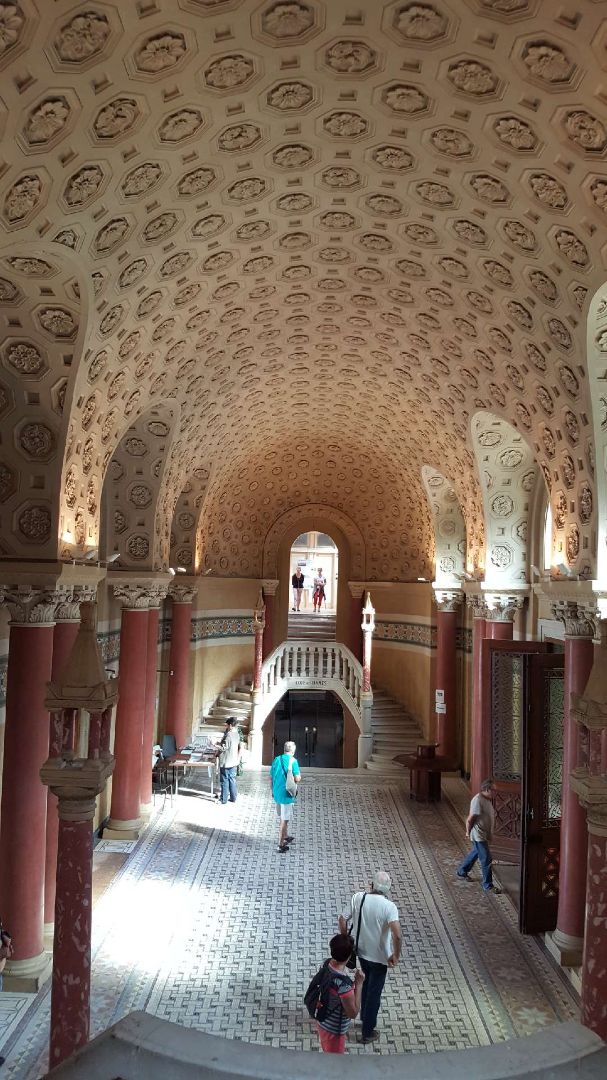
505	694
542	778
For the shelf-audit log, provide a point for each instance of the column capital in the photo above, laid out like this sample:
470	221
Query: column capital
269	586
503	606
69	600
31	607
580	619
183	593
139	597
357	589
476	601
447	599
77	783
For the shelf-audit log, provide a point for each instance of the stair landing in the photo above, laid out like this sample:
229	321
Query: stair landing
310	626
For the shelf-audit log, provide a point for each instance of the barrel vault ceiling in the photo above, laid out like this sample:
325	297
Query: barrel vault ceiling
320	237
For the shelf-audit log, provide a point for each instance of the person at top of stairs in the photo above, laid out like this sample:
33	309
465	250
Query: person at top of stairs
297	582
319	589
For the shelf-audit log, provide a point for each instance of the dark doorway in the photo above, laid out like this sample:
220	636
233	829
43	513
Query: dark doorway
315	723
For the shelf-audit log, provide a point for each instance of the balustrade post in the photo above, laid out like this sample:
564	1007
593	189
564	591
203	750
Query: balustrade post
255	740
365	739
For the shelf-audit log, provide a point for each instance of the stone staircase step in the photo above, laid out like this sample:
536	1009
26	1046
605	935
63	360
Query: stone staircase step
394	732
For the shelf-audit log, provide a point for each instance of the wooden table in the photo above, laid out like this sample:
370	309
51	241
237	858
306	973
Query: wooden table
185	763
425	770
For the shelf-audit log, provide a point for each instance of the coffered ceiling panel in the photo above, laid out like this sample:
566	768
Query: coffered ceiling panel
343	226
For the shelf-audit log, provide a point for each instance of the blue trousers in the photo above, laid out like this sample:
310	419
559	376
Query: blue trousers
375	977
480	851
227	779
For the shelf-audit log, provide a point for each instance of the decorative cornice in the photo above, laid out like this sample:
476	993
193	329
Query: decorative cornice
448	599
503	606
579	619
183	593
269	586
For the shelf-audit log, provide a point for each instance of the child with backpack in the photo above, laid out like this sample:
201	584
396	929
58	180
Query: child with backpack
332	999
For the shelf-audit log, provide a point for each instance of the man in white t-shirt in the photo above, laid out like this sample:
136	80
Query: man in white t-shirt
479	829
229	756
379	945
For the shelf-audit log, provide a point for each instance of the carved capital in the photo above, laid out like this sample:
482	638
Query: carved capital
357	589
579	619
77	783
448	599
592	793
31	607
70	599
183	594
503	607
476	602
269	586
140	597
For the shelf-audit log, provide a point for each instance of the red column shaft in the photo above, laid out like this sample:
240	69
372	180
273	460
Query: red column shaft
579	655
268	633
71	986
356	638
500	631
478	633
594	966
129	717
258	660
64	636
178	721
23	816
367	645
446	623
149	718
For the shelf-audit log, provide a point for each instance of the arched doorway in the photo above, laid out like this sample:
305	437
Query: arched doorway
315	554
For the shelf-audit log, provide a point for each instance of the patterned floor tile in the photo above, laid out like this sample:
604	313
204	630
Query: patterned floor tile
205	922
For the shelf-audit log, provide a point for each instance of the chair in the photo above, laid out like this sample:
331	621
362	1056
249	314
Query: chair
169	746
161	785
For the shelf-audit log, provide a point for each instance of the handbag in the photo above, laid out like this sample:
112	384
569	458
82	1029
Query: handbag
290	785
351	961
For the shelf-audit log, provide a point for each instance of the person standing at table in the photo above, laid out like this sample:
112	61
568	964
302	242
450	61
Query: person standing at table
229	756
297	583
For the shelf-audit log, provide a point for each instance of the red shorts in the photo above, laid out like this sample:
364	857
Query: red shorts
330	1043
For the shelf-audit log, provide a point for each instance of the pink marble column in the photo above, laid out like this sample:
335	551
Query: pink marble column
23	814
270	586
479	609
259	623
447	602
125	822
568	938
149	710
594	965
64	635
355	641
178	714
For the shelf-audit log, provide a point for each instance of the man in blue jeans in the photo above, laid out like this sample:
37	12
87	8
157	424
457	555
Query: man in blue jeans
479	829
379	945
229	756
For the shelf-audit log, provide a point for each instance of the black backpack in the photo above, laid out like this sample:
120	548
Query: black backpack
316	997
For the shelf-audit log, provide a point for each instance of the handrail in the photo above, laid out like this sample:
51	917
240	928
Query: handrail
311	664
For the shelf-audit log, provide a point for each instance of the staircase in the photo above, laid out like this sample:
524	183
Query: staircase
234	701
310	626
394	732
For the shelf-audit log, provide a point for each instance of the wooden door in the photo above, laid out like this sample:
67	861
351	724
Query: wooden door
505	685
542	780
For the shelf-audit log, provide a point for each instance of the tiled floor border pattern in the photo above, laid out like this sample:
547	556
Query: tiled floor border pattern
207	925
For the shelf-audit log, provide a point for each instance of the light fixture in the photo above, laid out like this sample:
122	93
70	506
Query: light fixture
113	558
209	570
181	569
422	579
535	571
92	554
564	570
171	571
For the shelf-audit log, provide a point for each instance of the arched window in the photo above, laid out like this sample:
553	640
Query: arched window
548	537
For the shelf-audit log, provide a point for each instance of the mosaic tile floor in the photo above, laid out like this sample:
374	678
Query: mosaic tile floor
205	924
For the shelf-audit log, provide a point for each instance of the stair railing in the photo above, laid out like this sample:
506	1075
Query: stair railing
311	665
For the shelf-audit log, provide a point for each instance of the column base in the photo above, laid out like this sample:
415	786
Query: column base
146	810
565	948
123	830
365	747
27	976
255	748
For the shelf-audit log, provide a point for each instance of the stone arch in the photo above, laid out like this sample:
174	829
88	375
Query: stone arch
295	521
184	528
44	302
136	522
596	364
508	476
449	528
